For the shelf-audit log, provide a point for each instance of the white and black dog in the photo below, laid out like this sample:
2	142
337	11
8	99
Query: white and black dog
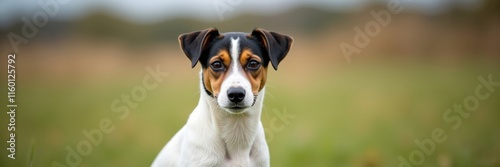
225	128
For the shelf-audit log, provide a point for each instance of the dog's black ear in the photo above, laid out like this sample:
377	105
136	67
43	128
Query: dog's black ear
277	44
193	43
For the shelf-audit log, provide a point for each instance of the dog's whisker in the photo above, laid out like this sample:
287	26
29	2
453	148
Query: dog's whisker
270	95
265	110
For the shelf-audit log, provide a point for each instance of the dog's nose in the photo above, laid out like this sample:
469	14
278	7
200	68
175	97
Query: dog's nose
236	94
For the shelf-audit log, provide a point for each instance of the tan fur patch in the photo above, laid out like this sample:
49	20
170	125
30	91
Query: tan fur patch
212	79
257	78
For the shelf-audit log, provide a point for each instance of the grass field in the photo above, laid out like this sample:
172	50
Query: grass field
358	115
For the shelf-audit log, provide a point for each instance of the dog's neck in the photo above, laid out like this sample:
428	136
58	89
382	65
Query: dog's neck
237	131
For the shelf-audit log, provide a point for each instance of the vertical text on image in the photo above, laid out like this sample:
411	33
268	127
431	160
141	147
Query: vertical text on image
11	106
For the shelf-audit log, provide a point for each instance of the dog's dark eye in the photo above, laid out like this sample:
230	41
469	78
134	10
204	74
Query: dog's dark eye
253	65
217	66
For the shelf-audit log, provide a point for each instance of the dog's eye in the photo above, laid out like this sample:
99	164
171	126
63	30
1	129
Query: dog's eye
217	66
253	65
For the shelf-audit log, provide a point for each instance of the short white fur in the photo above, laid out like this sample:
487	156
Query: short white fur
236	78
215	137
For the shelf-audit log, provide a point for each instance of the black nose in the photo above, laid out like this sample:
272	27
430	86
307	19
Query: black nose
236	95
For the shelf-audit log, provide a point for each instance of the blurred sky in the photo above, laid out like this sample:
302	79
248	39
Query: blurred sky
150	11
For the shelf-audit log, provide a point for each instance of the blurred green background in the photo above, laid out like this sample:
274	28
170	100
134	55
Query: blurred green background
364	113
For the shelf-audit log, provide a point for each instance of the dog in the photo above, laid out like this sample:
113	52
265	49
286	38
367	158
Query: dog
225	128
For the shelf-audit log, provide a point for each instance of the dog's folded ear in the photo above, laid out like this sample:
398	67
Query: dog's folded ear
193	43
277	44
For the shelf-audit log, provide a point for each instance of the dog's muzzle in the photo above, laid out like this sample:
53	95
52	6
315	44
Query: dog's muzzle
236	97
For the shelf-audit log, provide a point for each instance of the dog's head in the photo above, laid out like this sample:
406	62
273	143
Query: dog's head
234	65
